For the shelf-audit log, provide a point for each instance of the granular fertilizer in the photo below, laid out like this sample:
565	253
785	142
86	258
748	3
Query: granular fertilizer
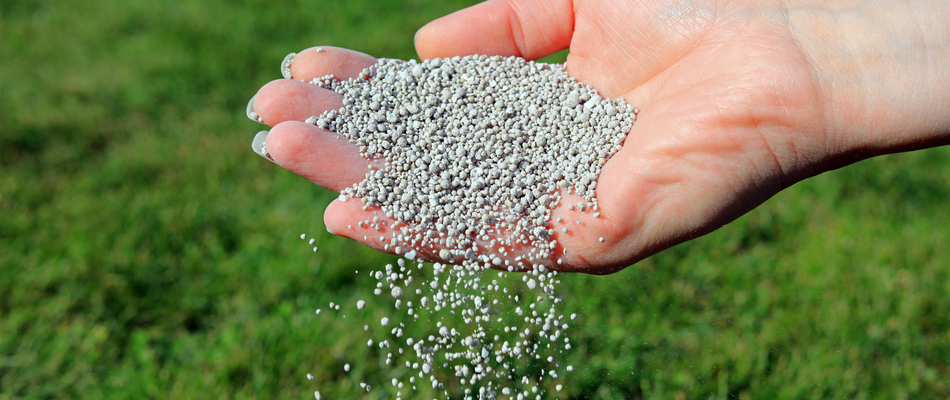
478	151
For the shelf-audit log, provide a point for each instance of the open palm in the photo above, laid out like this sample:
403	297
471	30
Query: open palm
732	111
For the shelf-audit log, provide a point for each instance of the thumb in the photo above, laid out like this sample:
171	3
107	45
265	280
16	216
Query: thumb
527	28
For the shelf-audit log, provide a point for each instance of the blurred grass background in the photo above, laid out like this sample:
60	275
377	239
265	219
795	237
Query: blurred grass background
146	252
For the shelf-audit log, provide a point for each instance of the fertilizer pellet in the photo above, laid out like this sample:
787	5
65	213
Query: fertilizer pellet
477	151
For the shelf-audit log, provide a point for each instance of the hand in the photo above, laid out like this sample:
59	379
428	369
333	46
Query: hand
738	101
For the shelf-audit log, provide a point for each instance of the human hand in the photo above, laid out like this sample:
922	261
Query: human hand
738	101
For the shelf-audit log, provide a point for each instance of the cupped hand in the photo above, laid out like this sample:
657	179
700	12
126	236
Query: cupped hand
738	100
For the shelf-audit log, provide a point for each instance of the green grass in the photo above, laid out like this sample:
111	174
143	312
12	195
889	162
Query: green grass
146	252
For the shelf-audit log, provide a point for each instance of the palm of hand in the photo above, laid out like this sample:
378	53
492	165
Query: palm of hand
720	91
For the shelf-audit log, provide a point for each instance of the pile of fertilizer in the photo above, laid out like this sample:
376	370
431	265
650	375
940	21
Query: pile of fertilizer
478	151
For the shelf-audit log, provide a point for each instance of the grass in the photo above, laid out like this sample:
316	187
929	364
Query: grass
146	252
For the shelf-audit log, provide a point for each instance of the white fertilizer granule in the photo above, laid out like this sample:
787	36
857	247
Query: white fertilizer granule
478	150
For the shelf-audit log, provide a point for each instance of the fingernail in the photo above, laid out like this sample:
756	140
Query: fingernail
259	145
285	66
250	110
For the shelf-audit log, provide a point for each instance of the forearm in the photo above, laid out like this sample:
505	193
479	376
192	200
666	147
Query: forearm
884	72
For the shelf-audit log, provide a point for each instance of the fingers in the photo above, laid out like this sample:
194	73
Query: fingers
294	99
316	62
291	100
321	156
349	219
527	28
372	228
585	242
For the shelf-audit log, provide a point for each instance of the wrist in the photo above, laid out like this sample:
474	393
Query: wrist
883	70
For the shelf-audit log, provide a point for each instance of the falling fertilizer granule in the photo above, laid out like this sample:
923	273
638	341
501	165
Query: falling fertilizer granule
478	150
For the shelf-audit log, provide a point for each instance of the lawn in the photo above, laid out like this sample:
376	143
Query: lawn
147	252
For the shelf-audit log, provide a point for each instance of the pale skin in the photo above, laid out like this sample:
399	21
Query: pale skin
738	100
